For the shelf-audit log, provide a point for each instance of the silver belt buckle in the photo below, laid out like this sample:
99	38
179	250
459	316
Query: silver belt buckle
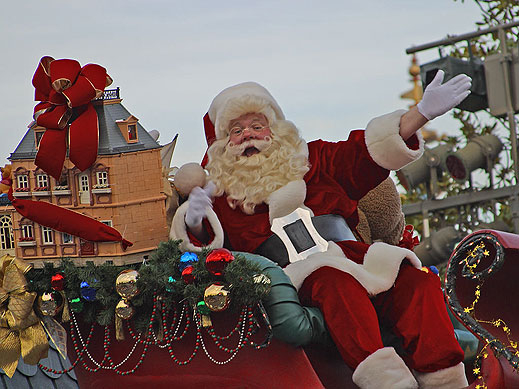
298	234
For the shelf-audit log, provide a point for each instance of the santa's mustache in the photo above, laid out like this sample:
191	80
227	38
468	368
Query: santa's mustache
239	149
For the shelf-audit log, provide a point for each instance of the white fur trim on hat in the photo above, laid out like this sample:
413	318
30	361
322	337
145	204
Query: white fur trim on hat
450	377
384	369
179	229
386	146
376	274
238	100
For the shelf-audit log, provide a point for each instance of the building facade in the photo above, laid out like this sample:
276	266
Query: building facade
123	189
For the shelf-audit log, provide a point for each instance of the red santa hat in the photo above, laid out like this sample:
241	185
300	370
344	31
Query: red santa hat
235	101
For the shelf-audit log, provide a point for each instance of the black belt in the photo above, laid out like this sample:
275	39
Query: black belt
330	227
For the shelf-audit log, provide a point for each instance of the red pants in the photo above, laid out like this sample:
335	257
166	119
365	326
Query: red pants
413	308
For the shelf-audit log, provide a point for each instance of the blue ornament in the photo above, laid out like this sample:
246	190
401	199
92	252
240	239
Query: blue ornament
187	259
87	292
434	269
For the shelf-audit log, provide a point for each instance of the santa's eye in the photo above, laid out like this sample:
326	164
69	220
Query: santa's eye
257	127
236	131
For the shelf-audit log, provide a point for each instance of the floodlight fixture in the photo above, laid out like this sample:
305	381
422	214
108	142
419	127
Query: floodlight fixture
438	247
429	166
480	152
473	67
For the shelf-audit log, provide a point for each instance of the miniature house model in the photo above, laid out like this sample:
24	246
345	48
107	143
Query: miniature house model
123	188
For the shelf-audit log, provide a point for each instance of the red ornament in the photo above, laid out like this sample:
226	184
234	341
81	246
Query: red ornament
187	275
57	282
217	260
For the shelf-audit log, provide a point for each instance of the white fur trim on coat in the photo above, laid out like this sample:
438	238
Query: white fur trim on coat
377	273
386	146
240	99
179	229
384	369
450	377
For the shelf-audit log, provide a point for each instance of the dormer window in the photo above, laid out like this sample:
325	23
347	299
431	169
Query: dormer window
132	132
38	134
128	128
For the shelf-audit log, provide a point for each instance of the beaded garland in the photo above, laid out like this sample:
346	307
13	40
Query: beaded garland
472	254
155	322
245	329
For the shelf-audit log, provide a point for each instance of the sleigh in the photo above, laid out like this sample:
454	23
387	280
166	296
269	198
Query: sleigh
480	292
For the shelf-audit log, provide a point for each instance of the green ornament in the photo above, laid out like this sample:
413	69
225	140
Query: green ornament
202	308
171	281
76	305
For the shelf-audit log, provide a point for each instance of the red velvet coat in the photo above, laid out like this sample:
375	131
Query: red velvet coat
340	174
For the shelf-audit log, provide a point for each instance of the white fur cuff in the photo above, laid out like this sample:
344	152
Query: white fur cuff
451	377
179	230
377	274
384	369
386	146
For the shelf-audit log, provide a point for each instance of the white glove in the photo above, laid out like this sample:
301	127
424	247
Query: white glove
199	200
440	98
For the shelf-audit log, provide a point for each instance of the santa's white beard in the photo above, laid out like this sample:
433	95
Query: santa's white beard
248	181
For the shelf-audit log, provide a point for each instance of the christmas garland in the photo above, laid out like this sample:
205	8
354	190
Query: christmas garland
208	281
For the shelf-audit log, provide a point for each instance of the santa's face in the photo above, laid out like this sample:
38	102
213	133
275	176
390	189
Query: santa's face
249	134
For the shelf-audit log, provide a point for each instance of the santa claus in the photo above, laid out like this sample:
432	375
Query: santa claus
264	177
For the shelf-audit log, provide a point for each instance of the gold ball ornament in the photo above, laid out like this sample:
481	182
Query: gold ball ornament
126	283
124	310
48	305
217	297
414	70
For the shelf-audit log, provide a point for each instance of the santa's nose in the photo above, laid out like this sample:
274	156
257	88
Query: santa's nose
247	135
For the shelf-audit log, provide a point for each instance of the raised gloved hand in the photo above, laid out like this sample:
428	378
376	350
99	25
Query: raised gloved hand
199	200
440	98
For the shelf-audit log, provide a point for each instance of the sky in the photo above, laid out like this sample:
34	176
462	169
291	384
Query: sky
331	65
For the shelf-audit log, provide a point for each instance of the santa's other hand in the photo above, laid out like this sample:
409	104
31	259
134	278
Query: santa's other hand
440	98
199	200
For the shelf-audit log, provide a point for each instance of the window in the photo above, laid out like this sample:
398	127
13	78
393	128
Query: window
38	135
128	128
107	222
102	179
66	238
23	181
42	181
132	132
27	232
6	233
63	181
47	235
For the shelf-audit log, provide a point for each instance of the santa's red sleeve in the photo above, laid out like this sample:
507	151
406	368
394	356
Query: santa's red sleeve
364	160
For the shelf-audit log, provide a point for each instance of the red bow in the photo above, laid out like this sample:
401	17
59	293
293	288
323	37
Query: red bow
66	220
408	241
65	91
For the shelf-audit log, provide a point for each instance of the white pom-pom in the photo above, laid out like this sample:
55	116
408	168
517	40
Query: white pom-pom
189	176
